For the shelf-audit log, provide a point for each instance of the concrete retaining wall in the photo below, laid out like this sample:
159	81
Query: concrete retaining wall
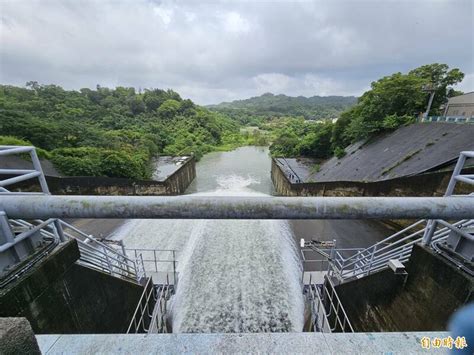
61	297
432	292
427	184
175	184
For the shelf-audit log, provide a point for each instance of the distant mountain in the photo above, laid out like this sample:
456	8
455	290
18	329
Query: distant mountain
269	105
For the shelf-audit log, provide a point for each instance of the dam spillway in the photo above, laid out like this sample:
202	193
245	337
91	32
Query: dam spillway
349	282
235	276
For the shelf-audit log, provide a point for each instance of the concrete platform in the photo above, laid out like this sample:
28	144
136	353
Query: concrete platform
289	343
315	276
165	166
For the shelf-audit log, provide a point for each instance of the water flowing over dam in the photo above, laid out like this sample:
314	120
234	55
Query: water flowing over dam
239	276
235	276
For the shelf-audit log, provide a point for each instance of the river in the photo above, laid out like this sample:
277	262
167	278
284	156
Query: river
239	275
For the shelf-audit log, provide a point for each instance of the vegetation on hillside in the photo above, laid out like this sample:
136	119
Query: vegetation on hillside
258	110
116	132
110	132
391	102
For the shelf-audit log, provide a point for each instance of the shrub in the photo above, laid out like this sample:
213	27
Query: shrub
9	140
89	161
339	152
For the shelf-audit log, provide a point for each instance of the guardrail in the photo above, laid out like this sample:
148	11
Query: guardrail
152	260
204	207
93	253
142	316
449	119
327	312
151	311
397	246
22	174
100	256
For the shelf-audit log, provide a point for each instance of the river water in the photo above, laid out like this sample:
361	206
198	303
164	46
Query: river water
239	275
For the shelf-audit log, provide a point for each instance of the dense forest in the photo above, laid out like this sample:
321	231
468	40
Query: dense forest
117	132
264	108
391	102
111	132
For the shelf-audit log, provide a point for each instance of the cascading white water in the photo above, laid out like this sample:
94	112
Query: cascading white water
234	275
239	275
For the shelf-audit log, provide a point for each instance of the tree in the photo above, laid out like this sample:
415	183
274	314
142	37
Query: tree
168	109
396	95
108	132
441	77
317	144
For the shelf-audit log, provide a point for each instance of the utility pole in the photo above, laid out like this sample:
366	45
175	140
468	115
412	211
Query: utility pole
431	89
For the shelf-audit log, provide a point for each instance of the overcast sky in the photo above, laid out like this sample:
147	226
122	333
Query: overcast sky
213	51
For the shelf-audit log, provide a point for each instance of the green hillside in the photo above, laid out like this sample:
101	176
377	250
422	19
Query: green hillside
269	106
110	132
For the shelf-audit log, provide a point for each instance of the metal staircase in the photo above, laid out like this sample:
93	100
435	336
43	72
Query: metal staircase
340	265
24	243
433	233
29	241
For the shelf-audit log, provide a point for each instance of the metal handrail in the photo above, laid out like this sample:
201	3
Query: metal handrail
26	234
391	237
372	259
155	260
318	312
323	297
148	291
22	174
93	253
339	307
158	321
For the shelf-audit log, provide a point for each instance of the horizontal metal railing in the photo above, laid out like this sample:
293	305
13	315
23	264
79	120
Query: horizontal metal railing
397	246
93	253
20	175
153	259
231	207
99	255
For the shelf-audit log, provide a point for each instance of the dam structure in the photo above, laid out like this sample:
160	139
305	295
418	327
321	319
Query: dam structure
229	288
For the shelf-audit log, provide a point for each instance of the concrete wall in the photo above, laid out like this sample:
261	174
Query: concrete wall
61	297
428	184
433	291
175	184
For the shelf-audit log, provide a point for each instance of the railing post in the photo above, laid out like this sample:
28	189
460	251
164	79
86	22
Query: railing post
371	260
108	260
6	235
429	232
457	171
59	230
38	168
174	269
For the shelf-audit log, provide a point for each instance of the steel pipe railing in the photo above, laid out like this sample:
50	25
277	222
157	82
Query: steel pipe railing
203	207
373	259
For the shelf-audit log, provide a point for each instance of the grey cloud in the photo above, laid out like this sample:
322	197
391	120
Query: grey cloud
216	51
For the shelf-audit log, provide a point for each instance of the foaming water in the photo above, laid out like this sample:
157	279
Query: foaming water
238	275
234	275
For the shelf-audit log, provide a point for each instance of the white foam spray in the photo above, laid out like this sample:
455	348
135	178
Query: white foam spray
234	275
